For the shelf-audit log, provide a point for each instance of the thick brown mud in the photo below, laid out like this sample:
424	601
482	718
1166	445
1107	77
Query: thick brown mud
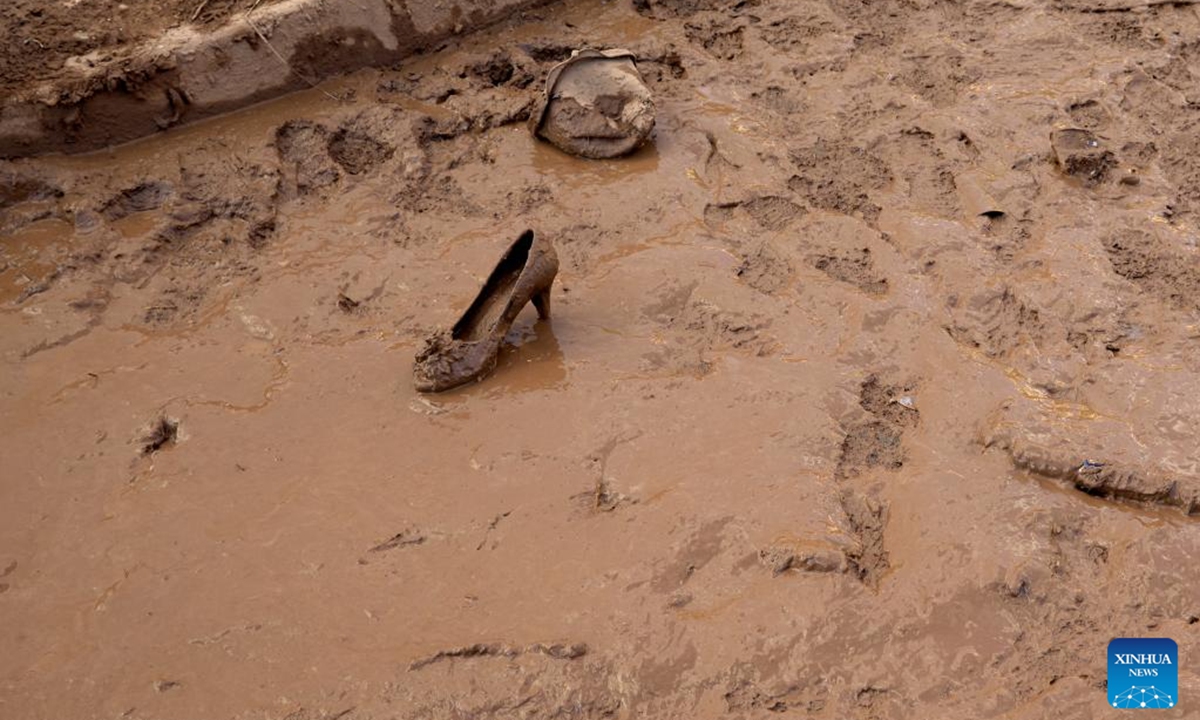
861	398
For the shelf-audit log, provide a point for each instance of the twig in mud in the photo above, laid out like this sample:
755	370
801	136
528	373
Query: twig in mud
199	9
403	539
35	41
286	64
558	651
492	526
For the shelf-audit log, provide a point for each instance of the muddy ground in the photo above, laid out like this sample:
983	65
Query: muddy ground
867	394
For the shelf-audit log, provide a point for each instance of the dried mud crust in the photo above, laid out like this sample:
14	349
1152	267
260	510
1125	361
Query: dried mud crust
41	36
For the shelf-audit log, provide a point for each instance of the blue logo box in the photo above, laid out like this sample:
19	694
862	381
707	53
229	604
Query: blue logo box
1143	673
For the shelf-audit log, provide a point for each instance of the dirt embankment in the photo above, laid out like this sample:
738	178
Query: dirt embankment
871	389
111	74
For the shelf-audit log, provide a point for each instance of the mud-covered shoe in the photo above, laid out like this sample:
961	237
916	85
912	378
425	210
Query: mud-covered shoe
468	351
595	105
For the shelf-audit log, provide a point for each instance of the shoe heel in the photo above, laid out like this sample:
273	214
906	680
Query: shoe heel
541	301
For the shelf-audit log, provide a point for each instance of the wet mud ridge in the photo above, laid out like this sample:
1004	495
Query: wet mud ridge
870	392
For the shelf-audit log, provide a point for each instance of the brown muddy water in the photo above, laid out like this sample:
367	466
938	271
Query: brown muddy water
806	436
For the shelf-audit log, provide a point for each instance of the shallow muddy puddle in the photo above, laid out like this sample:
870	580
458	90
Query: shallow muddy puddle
799	437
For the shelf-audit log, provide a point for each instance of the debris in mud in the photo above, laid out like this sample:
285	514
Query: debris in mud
606	499
558	651
164	432
780	559
1081	154
1106	480
595	105
406	538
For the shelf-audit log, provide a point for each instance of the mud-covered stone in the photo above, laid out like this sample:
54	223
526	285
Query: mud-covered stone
595	105
1081	154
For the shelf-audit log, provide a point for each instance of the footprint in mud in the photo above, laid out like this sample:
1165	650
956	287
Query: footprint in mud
661	66
867	517
500	70
662	9
701	547
792	33
148	195
16	189
877	442
854	267
1181	164
839	176
994	321
356	152
314	157
529	197
722	38
769	212
765	269
702	326
1145	259
225	207
579	246
779	100
871	444
303	154
1089	114
1007	234
940	79
921	161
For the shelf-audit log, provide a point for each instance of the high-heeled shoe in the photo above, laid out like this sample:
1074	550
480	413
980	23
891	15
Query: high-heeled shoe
468	351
